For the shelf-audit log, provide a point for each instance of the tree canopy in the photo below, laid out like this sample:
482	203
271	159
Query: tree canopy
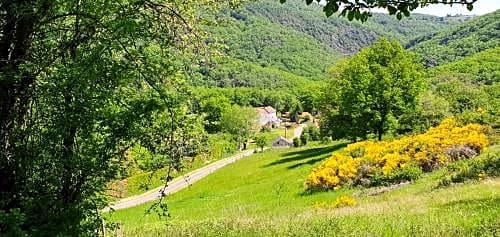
241	122
371	90
80	83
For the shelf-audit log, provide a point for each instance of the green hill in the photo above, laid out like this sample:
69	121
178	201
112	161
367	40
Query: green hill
339	33
266	42
468	38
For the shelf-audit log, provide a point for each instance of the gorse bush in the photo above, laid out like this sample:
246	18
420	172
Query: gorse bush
371	163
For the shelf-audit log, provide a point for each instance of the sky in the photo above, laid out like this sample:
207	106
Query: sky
481	7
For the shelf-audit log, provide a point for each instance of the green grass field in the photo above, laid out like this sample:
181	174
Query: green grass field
263	195
143	182
140	183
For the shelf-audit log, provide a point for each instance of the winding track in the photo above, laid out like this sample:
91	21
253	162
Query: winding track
185	180
178	183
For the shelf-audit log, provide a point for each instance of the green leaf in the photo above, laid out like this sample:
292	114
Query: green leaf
470	7
308	2
350	15
399	16
344	12
406	13
392	10
413	5
330	8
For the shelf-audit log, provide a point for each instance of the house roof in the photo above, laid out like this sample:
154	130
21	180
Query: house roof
266	110
281	138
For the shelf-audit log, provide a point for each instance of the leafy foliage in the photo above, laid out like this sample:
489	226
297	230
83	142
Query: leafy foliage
313	133
478	69
296	142
474	169
281	100
241	122
470	87
360	10
261	141
270	45
341	34
375	88
80	83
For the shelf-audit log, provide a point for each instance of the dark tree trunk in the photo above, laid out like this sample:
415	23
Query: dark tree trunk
70	181
380	127
15	85
380	133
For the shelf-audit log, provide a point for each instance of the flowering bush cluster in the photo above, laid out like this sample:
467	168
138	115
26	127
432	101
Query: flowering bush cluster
371	163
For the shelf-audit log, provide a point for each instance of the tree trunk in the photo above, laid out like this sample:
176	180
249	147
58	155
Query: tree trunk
70	182
15	85
380	128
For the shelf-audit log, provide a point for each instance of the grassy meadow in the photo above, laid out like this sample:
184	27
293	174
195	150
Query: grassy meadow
263	195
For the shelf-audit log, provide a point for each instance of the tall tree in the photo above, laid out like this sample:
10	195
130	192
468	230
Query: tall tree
241	122
213	107
79	81
371	90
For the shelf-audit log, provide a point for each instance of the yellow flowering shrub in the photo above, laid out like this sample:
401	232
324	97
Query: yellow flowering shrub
364	162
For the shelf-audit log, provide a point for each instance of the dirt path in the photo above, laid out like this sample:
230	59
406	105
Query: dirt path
178	183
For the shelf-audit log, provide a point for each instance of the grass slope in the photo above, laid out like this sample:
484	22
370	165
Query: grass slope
263	196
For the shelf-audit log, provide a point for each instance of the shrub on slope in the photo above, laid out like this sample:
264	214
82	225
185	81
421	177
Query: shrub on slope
373	163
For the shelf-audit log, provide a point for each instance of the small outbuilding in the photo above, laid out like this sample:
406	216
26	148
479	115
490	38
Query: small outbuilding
282	142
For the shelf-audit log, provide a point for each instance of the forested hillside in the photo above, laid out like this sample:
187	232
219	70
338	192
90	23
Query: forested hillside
455	43
339	33
470	87
480	68
268	44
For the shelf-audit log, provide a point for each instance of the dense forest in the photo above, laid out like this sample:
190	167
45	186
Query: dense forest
457	42
268	44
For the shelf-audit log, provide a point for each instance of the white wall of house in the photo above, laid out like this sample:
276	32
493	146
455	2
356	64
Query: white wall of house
267	115
266	118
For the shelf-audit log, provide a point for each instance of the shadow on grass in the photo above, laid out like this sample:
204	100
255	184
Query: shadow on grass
305	155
